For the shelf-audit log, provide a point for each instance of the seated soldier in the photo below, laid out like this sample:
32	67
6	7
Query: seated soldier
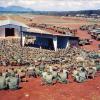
31	72
5	73
98	67
22	75
42	66
53	71
38	72
62	77
2	82
75	72
48	79
65	70
13	82
91	72
11	71
81	76
54	74
44	76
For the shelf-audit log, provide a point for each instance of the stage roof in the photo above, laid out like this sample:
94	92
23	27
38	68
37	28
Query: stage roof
49	32
12	22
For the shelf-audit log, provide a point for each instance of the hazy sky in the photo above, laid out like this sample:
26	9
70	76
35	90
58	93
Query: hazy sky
53	5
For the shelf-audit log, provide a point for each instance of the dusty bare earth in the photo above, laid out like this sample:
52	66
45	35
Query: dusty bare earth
33	90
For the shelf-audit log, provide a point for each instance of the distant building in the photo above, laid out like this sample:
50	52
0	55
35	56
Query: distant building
43	38
11	28
51	40
81	15
94	15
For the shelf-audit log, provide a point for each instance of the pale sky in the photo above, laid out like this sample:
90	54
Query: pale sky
53	5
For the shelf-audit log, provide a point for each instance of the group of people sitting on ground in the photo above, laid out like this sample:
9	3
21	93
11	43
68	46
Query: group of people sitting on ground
11	53
55	28
9	80
50	75
61	75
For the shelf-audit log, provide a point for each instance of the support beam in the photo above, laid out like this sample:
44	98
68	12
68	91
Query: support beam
68	44
23	40
55	43
22	37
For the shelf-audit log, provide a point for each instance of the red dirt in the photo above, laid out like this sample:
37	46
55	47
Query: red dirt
32	90
83	35
93	46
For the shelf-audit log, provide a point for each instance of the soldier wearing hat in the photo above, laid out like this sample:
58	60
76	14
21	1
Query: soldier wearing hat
12	82
62	77
80	75
2	82
47	78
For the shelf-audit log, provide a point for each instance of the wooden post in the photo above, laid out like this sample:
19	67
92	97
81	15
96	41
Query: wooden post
55	43
21	36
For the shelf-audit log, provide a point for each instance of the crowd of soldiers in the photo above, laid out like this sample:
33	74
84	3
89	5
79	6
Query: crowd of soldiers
83	42
51	66
50	74
93	30
61	30
9	79
89	27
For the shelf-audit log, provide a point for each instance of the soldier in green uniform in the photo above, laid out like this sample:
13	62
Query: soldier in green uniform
98	67
80	76
31	72
2	82
11	72
42	66
49	79
55	75
62	77
12	82
91	72
37	71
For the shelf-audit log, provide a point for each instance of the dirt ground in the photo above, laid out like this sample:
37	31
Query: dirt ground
33	90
